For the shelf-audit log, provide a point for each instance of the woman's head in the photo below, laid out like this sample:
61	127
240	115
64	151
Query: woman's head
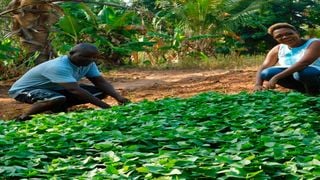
83	54
285	33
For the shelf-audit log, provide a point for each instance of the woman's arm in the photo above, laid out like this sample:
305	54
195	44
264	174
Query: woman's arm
270	60
312	53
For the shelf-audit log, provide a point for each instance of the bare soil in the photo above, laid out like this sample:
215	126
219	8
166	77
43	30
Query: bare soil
138	85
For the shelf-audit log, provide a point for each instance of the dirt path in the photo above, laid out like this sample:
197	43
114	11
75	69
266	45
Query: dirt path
152	85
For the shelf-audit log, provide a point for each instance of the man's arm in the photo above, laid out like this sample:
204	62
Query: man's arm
311	54
84	95
107	88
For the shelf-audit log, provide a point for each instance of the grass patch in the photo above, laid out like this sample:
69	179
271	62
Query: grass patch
230	61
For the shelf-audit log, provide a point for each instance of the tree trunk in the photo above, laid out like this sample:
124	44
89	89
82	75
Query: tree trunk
32	21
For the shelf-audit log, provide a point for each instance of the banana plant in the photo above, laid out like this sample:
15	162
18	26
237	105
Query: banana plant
196	26
70	26
114	31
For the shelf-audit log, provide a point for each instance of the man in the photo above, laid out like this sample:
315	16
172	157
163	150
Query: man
53	85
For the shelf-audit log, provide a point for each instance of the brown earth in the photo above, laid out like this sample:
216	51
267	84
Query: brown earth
138	85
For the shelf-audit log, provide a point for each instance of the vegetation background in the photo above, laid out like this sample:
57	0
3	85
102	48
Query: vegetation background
162	34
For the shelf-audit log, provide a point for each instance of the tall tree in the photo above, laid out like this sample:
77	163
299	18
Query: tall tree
32	21
4	20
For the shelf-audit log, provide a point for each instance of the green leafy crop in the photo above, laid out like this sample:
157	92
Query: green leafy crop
266	135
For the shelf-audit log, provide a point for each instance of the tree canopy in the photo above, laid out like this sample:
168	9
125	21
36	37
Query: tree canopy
166	30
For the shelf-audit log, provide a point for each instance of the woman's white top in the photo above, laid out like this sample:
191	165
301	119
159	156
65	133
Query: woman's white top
288	56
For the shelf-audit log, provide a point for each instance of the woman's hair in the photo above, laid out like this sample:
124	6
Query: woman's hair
279	26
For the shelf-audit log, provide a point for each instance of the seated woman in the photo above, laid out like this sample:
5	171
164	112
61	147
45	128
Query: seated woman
298	62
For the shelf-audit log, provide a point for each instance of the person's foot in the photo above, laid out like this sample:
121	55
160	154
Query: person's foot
23	118
313	91
61	108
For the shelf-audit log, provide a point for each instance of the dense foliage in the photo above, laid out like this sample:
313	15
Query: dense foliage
266	135
157	32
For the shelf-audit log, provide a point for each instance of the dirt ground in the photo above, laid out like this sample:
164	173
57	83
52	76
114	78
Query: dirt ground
138	85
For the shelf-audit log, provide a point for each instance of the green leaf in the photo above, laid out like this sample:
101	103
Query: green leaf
174	172
112	170
107	145
70	25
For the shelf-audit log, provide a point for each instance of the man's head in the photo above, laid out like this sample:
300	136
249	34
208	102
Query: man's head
83	54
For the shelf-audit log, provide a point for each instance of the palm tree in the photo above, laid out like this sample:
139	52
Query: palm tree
31	22
4	23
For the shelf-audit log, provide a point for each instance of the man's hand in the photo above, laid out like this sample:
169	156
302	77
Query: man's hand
107	88
272	83
123	100
105	106
258	87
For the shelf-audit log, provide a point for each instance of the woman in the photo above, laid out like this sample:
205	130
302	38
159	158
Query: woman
298	62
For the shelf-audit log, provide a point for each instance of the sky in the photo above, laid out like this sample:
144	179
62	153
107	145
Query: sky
127	1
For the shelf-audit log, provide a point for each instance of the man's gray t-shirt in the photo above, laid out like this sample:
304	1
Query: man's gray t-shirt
47	75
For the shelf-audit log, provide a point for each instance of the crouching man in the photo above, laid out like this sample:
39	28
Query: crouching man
54	84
